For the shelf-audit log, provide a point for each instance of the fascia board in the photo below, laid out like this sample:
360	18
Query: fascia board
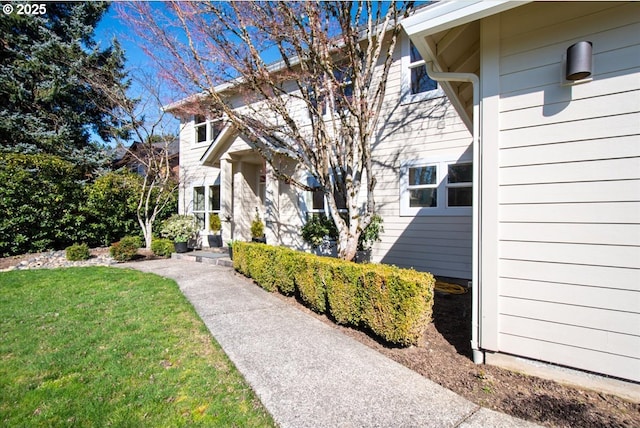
447	14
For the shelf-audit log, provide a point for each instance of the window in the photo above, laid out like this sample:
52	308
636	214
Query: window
416	83
436	187
198	206
341	96
423	186
214	198
459	185
316	202
207	130
205	204
420	80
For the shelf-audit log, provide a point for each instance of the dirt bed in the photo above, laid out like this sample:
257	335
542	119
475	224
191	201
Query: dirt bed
445	358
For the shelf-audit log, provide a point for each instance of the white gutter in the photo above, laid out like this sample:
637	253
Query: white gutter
478	355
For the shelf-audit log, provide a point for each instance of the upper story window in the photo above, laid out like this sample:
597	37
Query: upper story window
416	83
436	187
341	96
420	80
207	130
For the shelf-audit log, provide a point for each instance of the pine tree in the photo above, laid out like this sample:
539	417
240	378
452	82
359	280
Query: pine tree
46	104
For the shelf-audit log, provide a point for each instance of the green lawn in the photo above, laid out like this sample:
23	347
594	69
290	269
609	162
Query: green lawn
102	346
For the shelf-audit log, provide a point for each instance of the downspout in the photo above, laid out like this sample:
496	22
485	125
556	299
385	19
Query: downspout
478	355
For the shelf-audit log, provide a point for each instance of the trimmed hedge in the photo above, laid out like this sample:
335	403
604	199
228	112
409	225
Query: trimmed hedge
395	304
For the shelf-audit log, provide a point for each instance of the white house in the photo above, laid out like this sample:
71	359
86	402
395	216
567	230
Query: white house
524	182
422	160
556	266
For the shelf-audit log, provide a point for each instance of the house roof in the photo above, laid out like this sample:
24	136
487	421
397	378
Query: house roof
447	33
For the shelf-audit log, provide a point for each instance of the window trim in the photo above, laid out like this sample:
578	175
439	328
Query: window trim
206	201
309	195
208	124
407	97
442	208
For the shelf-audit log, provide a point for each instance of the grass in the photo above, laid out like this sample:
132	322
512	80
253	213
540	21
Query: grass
101	346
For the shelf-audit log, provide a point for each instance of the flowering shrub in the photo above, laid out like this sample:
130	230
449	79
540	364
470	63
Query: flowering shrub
179	228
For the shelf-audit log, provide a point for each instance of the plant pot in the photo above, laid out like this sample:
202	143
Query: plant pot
262	240
180	247
215	241
362	256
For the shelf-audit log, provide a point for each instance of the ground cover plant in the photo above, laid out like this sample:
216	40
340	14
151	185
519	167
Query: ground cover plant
97	346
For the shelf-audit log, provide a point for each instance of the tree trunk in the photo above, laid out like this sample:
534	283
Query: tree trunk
347	245
147	231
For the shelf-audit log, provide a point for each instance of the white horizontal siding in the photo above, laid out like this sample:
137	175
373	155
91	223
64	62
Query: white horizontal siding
605	277
423	130
568	294
587	233
569	189
583	212
575	151
572	356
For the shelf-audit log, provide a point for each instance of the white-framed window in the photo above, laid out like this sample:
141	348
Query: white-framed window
416	83
199	211
207	130
320	102
206	201
315	201
436	187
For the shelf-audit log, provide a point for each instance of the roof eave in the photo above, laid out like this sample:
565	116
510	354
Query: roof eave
447	14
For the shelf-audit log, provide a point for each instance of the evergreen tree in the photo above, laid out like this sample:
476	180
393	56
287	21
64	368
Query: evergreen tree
46	103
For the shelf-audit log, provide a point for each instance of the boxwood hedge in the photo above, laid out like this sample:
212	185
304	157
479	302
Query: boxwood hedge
393	303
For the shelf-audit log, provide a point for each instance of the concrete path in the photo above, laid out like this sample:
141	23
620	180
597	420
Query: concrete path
306	373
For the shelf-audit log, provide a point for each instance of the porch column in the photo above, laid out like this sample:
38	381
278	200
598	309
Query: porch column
226	198
271	206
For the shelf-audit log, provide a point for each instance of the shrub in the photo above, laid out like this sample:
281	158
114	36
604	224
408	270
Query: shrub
395	304
179	228
162	247
308	277
126	249
257	226
214	223
77	252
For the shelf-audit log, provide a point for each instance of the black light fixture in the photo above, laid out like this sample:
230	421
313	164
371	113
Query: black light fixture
579	63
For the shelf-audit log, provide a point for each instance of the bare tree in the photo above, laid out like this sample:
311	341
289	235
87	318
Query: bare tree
317	106
146	136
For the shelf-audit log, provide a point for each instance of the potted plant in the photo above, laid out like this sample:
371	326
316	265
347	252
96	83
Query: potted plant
215	240
368	237
230	245
321	234
257	229
179	228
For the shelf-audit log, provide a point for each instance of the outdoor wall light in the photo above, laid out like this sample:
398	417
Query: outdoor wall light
579	62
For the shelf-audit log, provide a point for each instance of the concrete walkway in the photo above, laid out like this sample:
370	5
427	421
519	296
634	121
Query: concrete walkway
306	373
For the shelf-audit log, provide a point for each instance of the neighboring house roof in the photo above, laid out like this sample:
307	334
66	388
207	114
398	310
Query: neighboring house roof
448	34
123	157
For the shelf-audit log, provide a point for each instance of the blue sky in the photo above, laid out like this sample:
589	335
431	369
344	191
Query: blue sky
111	26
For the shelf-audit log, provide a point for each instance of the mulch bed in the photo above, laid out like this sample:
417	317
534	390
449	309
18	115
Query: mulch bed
445	357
